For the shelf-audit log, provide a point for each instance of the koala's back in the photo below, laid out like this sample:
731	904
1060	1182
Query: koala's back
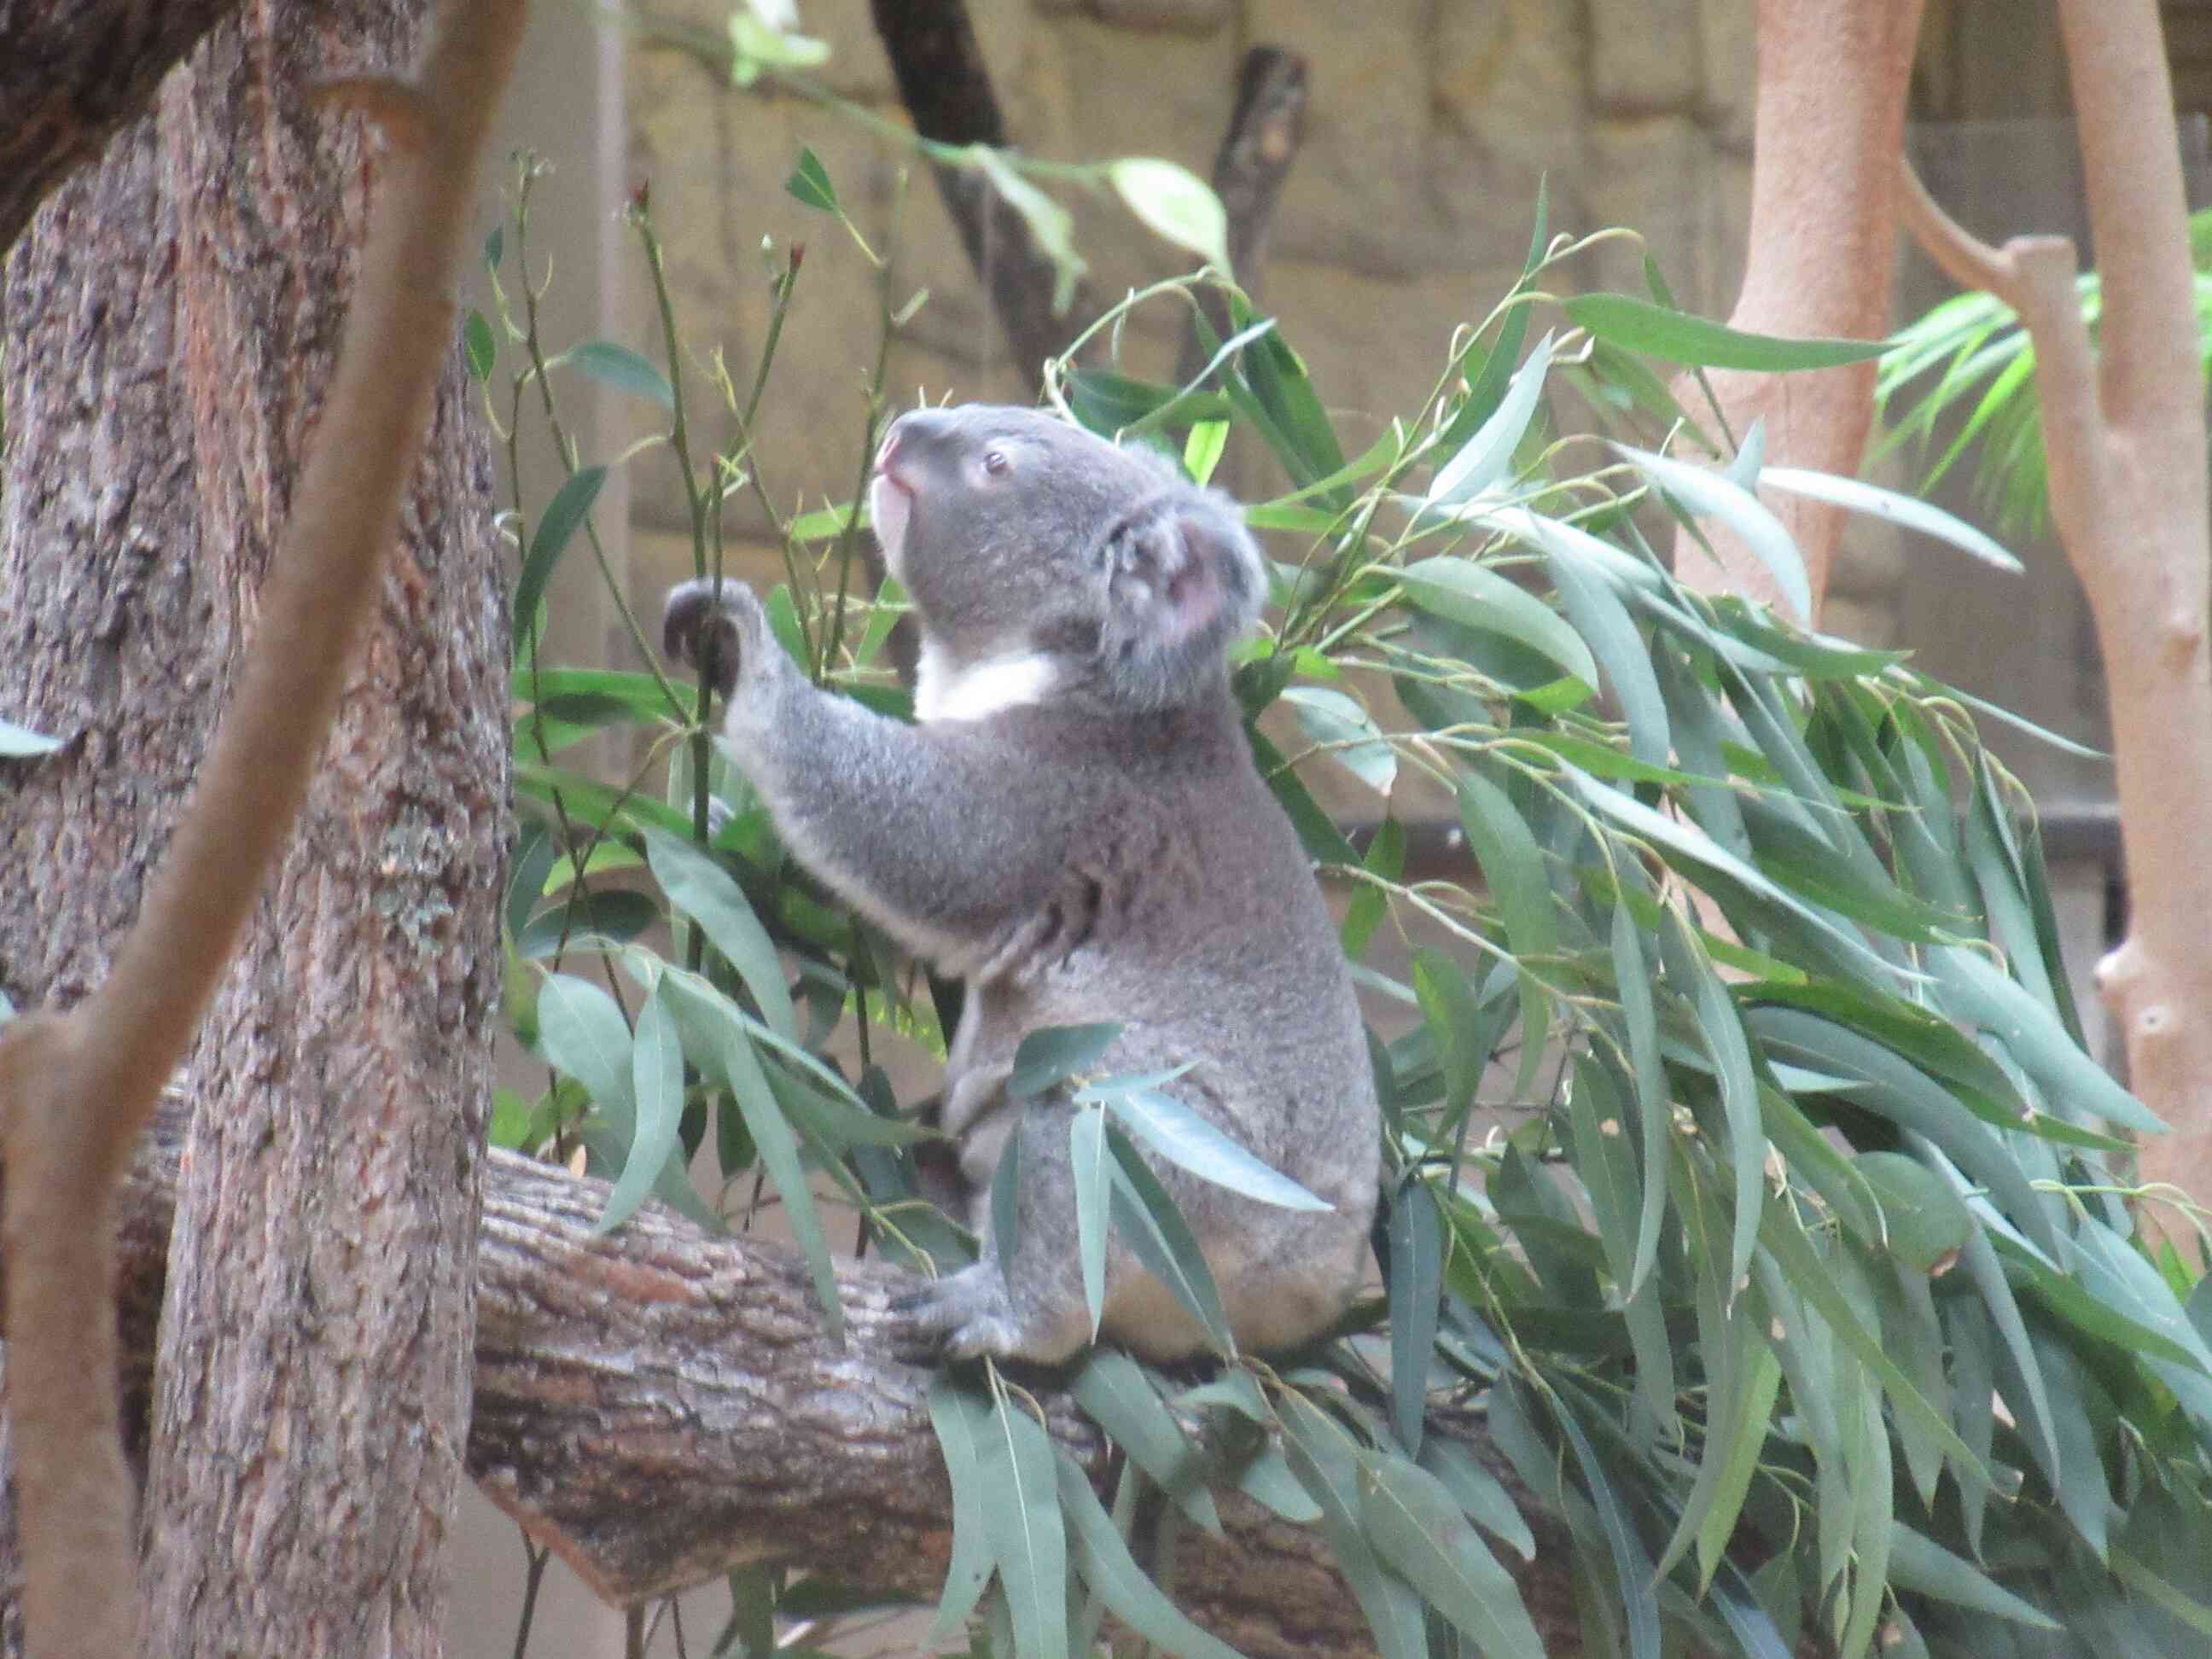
1184	909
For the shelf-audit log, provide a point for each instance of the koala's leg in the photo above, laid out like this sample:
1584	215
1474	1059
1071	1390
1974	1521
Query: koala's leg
1023	1304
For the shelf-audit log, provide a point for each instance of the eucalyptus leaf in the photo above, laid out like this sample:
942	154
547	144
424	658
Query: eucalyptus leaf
1418	1528
961	1414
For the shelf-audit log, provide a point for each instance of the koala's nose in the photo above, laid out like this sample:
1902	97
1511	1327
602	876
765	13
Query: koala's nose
917	430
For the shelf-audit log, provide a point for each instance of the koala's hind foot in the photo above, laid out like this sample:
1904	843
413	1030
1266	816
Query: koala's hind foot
970	1314
711	626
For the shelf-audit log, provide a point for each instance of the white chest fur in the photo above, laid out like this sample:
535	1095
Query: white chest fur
945	691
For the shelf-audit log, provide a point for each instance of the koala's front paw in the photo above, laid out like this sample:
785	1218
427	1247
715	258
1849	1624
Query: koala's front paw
970	1314
719	630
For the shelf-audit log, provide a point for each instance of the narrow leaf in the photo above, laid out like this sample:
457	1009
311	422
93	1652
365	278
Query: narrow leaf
1637	325
1180	1135
1418	1528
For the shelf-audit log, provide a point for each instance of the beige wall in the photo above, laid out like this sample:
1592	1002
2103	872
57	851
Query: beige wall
1407	214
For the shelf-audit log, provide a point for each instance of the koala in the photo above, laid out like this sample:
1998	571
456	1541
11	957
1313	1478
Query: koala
1073	826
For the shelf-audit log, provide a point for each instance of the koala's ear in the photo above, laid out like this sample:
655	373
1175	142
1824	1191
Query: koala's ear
1184	581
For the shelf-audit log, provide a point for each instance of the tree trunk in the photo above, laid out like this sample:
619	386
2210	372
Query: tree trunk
171	323
1829	123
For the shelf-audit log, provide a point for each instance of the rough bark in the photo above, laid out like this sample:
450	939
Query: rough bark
1828	127
661	1408
2124	436
321	1374
71	75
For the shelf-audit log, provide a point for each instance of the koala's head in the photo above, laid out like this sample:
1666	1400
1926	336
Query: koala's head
1043	561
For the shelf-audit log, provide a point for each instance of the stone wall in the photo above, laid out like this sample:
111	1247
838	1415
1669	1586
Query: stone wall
1429	126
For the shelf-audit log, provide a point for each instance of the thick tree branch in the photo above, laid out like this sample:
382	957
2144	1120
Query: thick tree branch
71	75
76	1089
661	1408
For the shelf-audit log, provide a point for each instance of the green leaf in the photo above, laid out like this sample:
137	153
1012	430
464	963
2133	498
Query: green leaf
1418	1528
1112	1388
1027	1536
618	366
755	44
1114	1576
584	1034
1052	1053
1161	1240
1091	1175
961	1413
1710	495
1637	325
1480	1495
1327	1463
1364	911
494	246
1318	832
1923	1219
1175	204
1180	1135
1654	1100
1050	225
1631	1566
1919	1563
1462	592
479	349
1813	1277
810	182
1353	740
1604	622
1416	1272
717	1041
657	1080
1203	450
1487	459
1897	1090
698	885
567	510
1887	505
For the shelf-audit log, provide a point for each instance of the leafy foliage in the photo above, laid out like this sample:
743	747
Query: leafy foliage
1745	1174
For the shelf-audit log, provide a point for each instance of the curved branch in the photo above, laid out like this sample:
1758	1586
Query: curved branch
660	1407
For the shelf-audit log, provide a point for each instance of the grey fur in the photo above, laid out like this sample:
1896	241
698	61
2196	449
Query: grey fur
1087	840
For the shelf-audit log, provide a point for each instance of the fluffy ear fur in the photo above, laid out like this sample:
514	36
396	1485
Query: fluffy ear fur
1184	581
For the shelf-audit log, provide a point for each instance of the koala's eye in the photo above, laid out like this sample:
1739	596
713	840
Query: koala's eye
996	463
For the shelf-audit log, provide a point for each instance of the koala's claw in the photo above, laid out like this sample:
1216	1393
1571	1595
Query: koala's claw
712	628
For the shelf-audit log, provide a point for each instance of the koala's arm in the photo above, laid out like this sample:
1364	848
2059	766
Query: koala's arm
934	833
